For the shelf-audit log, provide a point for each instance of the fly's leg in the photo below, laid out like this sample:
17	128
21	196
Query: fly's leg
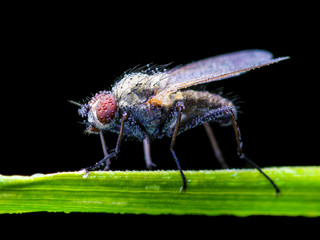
228	111
240	152
147	154
179	107
106	160
215	146
117	149
201	107
103	143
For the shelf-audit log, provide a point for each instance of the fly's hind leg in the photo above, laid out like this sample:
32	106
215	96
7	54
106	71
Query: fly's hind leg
228	111
215	146
243	156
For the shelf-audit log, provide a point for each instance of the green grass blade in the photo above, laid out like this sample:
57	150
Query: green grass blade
220	192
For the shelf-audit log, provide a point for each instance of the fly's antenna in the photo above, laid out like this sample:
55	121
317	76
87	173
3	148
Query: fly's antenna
75	103
83	110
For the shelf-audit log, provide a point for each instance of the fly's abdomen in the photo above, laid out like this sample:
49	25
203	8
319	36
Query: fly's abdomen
202	106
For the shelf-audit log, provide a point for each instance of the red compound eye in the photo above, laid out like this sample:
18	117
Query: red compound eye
106	108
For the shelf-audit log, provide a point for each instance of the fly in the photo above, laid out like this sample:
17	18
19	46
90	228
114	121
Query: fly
149	105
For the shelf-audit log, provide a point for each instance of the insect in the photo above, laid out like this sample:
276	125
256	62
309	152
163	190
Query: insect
149	105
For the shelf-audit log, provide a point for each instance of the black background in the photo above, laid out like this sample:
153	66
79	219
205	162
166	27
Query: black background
57	53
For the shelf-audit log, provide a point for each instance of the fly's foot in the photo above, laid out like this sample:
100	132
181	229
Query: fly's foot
150	165
104	162
107	167
86	172
183	189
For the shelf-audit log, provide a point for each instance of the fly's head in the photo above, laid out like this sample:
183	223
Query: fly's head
100	111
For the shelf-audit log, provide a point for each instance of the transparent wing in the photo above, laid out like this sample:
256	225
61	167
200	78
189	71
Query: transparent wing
218	65
215	68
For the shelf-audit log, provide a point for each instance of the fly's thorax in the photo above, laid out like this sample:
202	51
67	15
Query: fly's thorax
102	111
136	88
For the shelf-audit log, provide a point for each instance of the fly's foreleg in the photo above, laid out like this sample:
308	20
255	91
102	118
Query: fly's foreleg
103	144
106	160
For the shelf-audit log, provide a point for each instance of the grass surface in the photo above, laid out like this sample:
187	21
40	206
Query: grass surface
220	192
